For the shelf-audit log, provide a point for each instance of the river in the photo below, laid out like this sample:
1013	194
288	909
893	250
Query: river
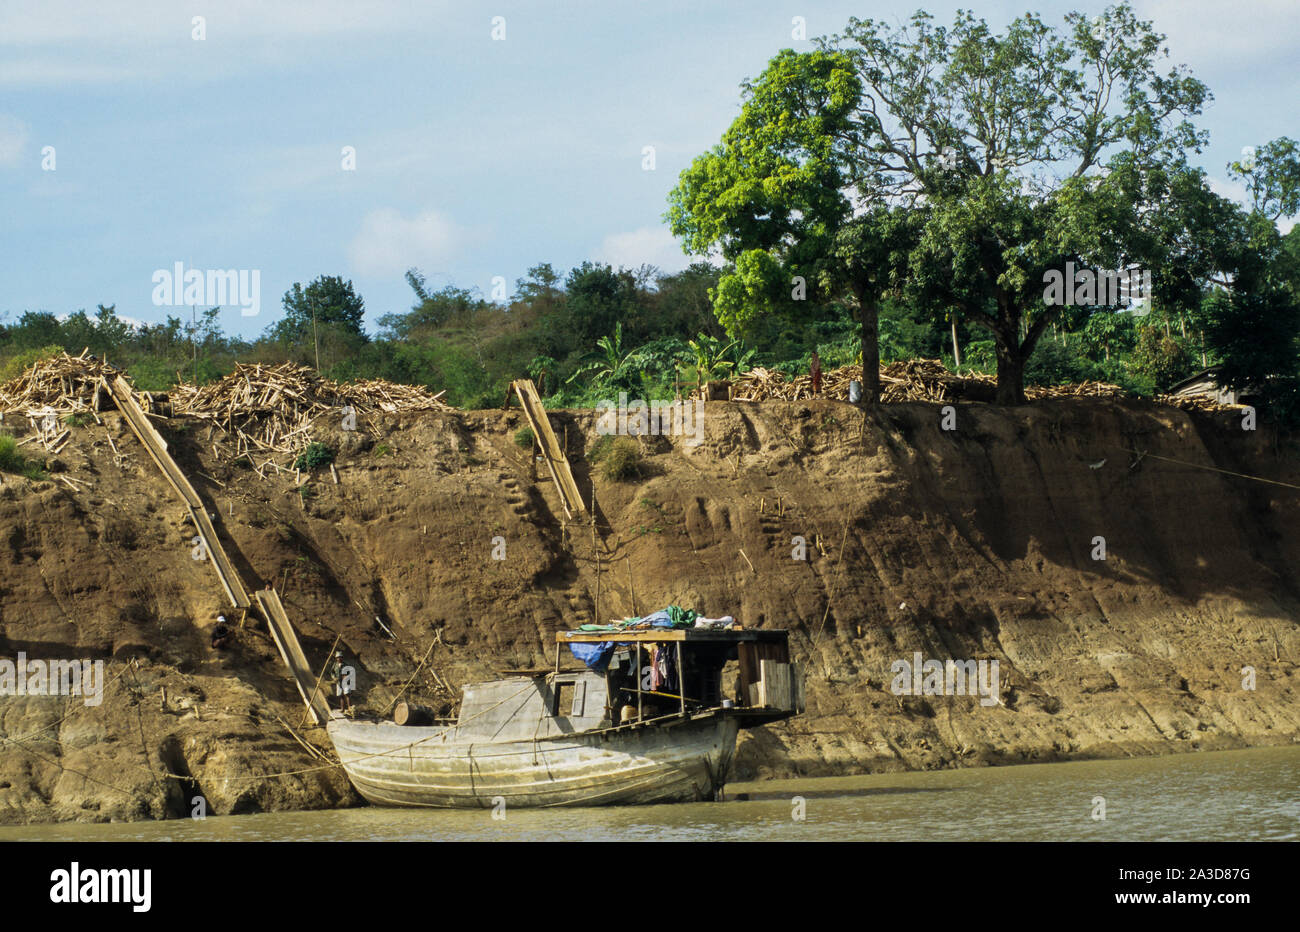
1250	795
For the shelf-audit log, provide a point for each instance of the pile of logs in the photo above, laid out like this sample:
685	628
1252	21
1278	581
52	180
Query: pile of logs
1206	403
57	385
278	409
912	380
1077	390
259	409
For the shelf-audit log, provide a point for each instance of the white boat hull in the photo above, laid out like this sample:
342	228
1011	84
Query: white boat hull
392	765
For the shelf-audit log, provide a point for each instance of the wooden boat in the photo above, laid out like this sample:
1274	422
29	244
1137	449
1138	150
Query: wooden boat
583	738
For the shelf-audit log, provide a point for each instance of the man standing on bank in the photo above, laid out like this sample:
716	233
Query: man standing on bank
342	686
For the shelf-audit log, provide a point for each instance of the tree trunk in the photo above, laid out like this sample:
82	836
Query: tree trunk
869	314
956	350
1011	372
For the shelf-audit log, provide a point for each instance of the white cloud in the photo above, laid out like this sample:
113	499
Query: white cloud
645	246
33	22
13	138
89	41
1210	32
389	243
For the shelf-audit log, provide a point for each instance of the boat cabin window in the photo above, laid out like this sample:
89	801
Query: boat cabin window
569	698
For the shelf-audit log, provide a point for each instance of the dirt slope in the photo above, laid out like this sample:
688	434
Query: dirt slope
972	543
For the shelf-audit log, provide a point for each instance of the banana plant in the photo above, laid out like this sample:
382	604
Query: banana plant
618	366
714	360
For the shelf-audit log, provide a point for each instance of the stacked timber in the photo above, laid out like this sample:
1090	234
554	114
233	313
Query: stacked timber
280	409
257	409
60	385
911	380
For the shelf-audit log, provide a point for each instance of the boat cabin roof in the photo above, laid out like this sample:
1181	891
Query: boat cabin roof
721	636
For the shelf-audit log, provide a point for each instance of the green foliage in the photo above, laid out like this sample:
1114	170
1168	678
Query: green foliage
617	366
13	461
1160	357
327	300
597	451
1257	337
316	456
1052	363
1272	178
622	461
525	438
715	359
152	375
893	159
24	360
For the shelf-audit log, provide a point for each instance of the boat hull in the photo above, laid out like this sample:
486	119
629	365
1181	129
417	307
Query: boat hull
392	765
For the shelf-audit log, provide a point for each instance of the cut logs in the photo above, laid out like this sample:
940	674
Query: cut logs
405	713
278	409
926	380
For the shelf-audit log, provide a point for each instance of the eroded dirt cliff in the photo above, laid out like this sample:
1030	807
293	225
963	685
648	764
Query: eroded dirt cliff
972	543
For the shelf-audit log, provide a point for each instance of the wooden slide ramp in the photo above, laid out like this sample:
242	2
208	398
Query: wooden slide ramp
153	442
556	460
268	601
287	641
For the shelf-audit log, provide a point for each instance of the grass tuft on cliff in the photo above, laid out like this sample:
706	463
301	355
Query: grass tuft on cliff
622	461
12	461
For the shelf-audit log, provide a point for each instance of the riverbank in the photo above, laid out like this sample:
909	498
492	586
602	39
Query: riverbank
975	543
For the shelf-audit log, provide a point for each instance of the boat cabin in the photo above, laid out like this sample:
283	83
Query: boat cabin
650	674
638	678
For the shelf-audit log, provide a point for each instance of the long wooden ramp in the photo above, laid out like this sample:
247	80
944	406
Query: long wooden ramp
156	446
287	641
556	460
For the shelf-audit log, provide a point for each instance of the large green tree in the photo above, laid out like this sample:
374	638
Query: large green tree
1253	316
956	163
327	300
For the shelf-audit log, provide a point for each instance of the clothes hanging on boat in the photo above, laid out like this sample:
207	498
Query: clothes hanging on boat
669	658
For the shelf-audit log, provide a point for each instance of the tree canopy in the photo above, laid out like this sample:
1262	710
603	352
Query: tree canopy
955	166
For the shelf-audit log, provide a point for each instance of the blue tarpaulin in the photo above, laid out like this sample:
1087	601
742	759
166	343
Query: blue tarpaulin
595	656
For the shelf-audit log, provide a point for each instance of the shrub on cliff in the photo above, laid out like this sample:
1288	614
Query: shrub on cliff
623	460
316	456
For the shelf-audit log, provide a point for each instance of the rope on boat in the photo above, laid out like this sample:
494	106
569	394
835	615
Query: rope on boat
418	668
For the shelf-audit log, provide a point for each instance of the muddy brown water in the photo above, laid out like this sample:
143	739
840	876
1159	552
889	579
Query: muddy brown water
1250	795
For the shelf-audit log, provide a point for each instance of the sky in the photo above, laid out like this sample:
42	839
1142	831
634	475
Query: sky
475	157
